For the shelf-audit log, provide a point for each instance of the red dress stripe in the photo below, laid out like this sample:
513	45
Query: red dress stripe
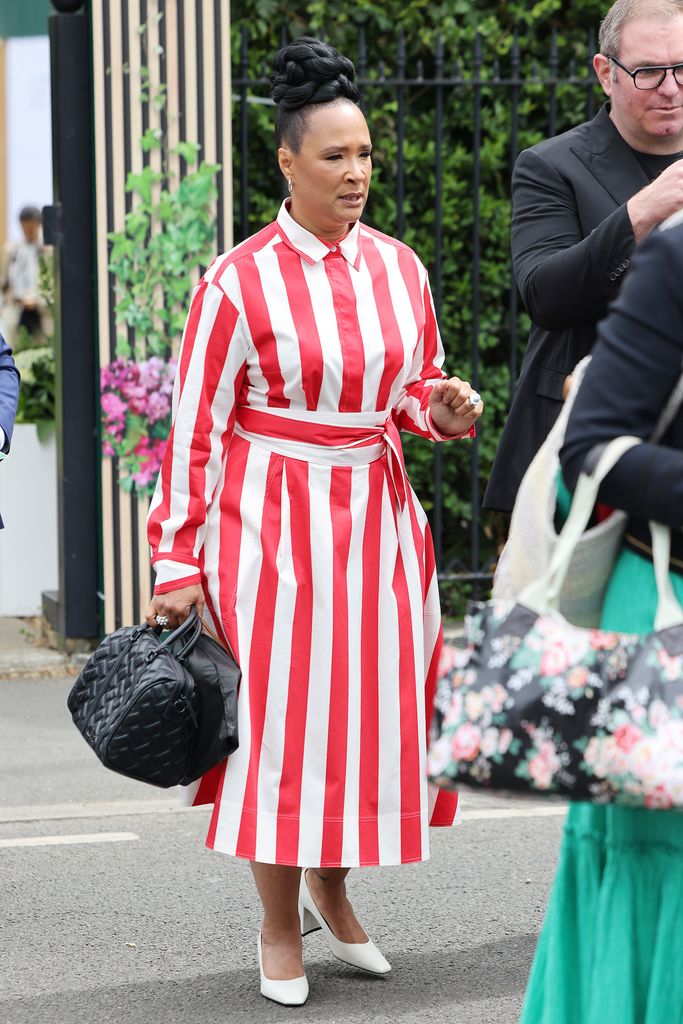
259	661
288	823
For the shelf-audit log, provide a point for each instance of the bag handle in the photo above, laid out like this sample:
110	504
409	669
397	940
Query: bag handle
187	633
543	594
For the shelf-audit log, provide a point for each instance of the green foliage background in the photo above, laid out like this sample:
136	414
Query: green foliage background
456	23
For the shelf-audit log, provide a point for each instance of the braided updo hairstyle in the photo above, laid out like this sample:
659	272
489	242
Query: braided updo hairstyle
307	73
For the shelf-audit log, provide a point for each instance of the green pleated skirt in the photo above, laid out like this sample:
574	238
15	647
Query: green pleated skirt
611	949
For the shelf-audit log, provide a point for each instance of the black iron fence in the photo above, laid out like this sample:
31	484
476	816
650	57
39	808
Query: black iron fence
537	99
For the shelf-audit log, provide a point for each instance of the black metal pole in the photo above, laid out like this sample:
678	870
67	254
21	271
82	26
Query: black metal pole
69	228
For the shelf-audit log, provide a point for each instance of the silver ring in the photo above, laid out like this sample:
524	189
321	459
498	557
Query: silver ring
474	399
162	620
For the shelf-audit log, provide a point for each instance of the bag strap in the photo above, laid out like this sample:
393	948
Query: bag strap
669	611
669	412
544	594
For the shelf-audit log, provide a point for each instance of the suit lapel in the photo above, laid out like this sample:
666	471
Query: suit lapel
610	160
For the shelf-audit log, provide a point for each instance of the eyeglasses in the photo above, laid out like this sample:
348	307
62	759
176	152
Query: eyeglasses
651	77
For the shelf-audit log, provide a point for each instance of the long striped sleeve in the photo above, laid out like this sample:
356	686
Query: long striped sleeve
412	407
210	373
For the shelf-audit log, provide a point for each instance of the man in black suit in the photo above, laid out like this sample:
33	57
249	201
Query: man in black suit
9	396
581	202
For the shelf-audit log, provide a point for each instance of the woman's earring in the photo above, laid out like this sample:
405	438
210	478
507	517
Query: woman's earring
290	185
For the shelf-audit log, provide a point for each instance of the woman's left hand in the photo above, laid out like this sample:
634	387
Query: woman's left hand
451	408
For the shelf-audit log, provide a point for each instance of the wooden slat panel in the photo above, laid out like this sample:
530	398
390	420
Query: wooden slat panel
173	84
207	68
226	122
198	74
107	526
190	130
117	160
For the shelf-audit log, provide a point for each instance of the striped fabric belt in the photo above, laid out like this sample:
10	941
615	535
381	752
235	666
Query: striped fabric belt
328	438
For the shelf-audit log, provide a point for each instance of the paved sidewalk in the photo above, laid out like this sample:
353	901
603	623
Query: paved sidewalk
24	652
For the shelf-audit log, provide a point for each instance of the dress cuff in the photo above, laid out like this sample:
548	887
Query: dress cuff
438	436
172	575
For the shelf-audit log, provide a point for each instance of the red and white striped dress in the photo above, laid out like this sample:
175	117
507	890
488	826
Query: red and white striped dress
283	492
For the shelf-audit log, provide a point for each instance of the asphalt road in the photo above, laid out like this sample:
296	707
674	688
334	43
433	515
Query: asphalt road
116	912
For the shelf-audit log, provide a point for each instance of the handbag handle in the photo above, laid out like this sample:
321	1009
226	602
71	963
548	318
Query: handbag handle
543	594
187	633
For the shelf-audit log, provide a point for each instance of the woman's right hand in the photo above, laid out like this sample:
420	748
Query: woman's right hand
175	605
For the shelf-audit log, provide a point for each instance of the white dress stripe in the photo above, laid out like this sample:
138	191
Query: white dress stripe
315	747
272	748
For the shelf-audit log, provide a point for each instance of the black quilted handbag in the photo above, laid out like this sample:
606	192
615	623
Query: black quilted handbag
161	711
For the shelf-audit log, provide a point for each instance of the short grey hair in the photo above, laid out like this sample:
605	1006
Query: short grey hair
622	11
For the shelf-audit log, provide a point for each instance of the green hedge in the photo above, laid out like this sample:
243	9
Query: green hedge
456	23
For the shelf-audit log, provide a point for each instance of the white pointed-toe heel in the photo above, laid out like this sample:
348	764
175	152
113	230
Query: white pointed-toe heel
364	955
292	992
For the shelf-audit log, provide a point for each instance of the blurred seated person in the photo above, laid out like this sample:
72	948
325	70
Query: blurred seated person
23	306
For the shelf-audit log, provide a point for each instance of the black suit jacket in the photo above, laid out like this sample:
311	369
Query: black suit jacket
571	244
640	346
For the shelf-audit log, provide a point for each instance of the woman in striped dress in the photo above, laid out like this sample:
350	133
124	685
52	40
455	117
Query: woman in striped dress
283	510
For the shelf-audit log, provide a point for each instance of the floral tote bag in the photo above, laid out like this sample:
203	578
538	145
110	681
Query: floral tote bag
539	705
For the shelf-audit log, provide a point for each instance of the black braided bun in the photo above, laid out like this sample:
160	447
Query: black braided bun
306	73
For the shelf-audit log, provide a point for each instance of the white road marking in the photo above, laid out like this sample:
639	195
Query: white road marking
95	837
126	808
101	809
491	813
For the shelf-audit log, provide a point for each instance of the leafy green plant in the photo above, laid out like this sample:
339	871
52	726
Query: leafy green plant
167	234
35	360
37	392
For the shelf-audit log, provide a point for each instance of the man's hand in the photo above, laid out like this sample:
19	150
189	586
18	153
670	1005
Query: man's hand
450	406
656	202
175	605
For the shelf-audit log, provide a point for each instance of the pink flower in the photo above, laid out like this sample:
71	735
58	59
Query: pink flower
504	741
541	772
151	372
113	406
658	799
554	660
447	660
626	736
465	742
671	666
578	677
158	407
603	641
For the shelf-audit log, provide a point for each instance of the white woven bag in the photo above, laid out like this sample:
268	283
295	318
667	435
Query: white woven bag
532	538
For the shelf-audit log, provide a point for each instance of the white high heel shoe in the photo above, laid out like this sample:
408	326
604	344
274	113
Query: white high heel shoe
364	955
292	992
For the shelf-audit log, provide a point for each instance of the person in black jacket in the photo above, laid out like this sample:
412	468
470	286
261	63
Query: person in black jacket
612	943
581	202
